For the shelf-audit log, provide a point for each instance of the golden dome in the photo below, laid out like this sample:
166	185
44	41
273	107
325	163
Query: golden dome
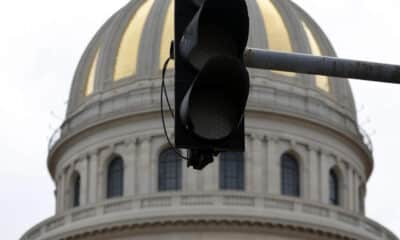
126	56
276	25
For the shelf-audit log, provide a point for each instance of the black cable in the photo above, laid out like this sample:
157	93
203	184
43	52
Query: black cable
164	90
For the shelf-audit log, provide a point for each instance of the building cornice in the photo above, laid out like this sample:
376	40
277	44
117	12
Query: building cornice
97	125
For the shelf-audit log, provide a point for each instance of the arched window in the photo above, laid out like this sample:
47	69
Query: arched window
76	190
115	178
333	187
290	177
169	171
231	171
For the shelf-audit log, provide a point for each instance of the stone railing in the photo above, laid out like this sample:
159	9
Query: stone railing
217	204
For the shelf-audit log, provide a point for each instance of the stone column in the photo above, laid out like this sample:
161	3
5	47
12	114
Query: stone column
273	167
313	172
66	200
210	176
350	180
93	174
324	180
84	180
362	196
60	193
249	165
102	164
356	192
143	167
190	178
304	170
344	185
129	168
259	164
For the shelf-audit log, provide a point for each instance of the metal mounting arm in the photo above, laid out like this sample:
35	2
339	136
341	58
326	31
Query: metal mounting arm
321	65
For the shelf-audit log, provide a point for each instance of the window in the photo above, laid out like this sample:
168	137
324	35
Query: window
290	177
333	187
115	178
169	171
231	173
76	190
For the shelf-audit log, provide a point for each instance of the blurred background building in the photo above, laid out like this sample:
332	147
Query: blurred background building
303	176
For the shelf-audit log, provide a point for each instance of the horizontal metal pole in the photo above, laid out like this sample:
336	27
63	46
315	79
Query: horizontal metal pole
321	65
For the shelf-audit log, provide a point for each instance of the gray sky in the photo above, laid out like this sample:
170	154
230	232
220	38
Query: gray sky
41	44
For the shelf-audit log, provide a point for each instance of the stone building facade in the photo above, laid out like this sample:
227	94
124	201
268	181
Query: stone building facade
303	176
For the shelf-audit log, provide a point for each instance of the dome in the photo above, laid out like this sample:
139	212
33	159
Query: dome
120	71
127	54
303	175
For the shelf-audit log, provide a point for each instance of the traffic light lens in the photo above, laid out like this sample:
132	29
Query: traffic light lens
214	105
213	117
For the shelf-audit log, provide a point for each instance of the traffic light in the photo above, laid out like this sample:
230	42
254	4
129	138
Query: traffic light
211	80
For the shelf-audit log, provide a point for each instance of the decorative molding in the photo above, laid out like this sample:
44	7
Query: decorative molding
269	138
273	138
117	207
107	149
278	204
83	214
314	148
315	210
142	138
197	200
236	208
132	141
56	223
239	201
156	202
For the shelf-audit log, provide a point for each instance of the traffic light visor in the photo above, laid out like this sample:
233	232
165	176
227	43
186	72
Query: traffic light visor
218	28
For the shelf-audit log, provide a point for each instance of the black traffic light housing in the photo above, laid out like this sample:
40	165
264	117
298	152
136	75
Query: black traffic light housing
211	81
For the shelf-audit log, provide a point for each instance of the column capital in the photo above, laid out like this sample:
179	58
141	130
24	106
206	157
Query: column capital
66	169
272	138
106	149
91	153
144	138
313	148
258	136
79	159
131	142
325	152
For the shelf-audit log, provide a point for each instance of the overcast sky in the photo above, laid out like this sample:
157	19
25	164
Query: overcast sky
41	43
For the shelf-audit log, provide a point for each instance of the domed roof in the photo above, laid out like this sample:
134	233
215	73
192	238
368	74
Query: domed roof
121	68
